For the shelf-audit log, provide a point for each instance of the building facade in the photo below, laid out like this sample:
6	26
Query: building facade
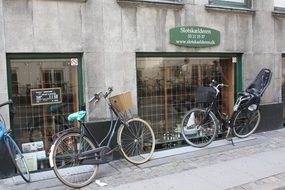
55	54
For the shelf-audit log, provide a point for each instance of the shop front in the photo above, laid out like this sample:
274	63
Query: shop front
166	85
45	88
161	51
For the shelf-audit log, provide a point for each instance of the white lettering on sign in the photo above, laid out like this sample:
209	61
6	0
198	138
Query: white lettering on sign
195	31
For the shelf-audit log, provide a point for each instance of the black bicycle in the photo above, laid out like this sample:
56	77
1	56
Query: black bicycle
200	126
76	154
13	149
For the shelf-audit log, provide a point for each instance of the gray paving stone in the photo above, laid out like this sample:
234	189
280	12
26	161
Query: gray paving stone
195	165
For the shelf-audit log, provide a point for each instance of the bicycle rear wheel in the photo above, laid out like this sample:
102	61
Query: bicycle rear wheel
199	128
246	122
66	164
17	158
136	140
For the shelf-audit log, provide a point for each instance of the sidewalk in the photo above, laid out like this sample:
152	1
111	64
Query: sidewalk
257	162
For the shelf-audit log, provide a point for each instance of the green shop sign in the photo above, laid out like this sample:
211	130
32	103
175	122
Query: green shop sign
194	36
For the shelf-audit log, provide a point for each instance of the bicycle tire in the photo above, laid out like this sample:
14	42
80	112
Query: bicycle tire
197	134
17	158
66	166
246	122
136	141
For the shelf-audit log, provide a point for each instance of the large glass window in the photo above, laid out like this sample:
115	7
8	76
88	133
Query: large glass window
279	5
153	1
44	91
166	88
232	3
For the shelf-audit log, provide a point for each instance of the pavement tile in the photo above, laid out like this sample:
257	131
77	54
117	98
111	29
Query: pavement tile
198	166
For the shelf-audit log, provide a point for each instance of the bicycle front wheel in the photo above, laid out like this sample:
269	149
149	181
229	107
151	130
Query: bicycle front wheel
246	122
17	158
65	161
199	128
136	140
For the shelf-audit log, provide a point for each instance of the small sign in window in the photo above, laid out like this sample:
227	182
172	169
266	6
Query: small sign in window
45	96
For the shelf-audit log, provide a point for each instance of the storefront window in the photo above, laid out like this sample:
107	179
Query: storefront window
166	88
44	91
279	5
232	3
152	1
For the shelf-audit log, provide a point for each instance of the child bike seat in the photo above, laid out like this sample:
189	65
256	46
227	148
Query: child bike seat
259	85
77	116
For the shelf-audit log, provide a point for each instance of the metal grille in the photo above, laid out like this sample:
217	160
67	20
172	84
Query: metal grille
166	89
41	122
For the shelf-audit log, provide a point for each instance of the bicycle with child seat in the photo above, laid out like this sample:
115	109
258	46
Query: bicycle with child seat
13	149
200	126
75	156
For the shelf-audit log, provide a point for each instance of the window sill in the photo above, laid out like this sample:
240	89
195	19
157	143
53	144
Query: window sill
278	13
229	9
83	1
170	4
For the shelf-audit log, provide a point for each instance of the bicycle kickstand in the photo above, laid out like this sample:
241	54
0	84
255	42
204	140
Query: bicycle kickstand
229	137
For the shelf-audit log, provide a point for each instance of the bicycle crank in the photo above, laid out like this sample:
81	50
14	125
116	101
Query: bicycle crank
100	155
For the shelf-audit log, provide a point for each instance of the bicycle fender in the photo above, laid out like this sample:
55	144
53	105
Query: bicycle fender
74	129
51	156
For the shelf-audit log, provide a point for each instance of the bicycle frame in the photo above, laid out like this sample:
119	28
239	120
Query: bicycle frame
87	156
225	120
113	125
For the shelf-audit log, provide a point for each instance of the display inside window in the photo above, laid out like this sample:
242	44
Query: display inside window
166	89
44	93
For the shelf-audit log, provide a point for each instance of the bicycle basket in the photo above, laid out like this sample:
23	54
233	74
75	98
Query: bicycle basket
122	102
205	94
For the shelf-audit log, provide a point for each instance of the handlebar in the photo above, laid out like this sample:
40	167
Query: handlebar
217	85
214	84
6	103
99	95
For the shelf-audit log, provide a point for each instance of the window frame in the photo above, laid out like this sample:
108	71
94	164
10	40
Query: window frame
247	4
153	2
16	56
278	9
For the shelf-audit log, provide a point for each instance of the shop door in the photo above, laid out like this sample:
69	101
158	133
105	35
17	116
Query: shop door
45	91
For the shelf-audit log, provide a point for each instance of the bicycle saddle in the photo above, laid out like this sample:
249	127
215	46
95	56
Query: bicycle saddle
77	116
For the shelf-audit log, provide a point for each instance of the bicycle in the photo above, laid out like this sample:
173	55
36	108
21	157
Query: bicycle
75	156
200	126
13	149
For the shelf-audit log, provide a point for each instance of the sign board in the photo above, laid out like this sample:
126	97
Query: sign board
73	61
194	36
44	96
